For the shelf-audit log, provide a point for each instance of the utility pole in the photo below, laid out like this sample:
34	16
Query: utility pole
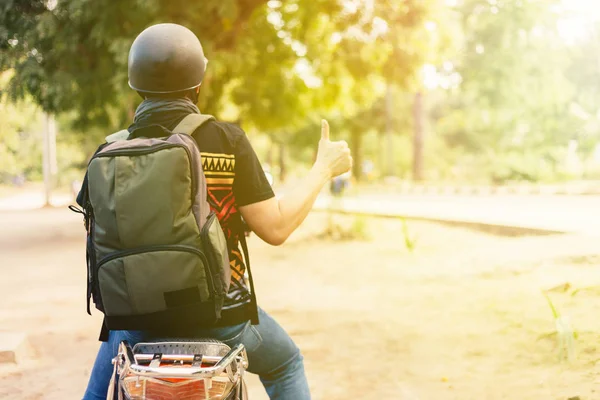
418	138
389	129
49	156
282	162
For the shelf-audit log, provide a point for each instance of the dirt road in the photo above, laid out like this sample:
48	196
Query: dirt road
461	318
558	213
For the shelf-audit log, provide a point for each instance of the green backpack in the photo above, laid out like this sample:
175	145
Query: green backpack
157	256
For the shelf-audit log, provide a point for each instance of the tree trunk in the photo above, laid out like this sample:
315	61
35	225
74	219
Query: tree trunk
418	138
381	157
389	130
282	163
49	157
269	158
356	146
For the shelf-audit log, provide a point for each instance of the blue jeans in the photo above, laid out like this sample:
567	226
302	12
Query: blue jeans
272	355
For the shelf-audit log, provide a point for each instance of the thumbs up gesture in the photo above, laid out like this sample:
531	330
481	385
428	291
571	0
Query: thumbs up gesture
334	157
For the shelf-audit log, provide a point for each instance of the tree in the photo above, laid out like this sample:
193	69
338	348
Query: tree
72	54
274	65
513	97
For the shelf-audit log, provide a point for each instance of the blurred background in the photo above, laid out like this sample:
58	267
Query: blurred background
487	92
473	202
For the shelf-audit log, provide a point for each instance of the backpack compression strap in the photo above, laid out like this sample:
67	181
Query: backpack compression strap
191	122
254	316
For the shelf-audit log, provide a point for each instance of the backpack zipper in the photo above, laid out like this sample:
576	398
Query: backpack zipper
133	151
152	249
141	151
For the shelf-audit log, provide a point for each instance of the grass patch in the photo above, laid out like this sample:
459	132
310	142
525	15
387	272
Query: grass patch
410	240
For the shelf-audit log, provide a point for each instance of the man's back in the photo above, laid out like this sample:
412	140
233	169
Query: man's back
234	178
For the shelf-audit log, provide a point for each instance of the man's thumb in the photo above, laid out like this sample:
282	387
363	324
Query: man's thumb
324	129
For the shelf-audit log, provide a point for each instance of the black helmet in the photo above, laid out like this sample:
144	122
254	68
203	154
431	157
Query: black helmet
166	58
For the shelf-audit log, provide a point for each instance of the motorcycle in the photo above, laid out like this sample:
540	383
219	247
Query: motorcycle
204	369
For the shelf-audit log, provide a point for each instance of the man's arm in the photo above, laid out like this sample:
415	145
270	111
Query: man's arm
274	220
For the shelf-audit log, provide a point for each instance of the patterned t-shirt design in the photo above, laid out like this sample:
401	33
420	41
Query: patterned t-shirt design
219	170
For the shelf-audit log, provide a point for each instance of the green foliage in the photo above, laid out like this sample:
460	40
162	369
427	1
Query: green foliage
512	117
410	240
356	231
565	333
20	144
555	312
512	97
73	56
359	228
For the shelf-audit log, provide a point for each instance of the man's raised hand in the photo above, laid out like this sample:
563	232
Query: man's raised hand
334	157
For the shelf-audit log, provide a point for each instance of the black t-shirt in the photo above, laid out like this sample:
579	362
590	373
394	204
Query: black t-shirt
222	141
234	178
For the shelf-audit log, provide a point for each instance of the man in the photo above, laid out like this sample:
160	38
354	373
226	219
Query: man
166	67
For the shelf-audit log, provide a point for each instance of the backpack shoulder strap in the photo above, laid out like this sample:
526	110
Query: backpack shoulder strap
191	122
254	315
121	135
